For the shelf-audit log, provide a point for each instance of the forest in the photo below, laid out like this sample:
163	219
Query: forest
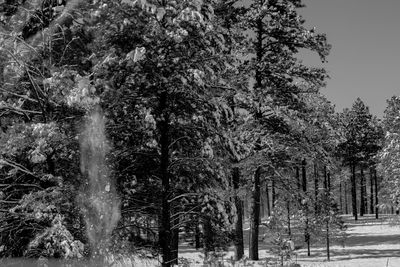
141	128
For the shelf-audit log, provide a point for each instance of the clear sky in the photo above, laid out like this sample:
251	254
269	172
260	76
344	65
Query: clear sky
365	57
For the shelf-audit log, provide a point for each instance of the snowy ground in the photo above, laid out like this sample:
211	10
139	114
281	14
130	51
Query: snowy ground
370	243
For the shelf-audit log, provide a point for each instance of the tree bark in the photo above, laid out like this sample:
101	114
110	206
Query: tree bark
304	175
327	185
371	194
165	220
346	206
329	180
208	243
242	202
238	230
255	209
365	194
316	185
273	192
341	197
288	218
328	253
376	195
362	193
267	196
255	216
354	190
306	230
262	205
298	178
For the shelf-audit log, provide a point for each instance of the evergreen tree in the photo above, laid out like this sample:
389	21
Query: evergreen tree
278	34
360	144
388	157
40	151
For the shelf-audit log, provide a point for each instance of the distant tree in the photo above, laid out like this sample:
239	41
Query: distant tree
354	125
389	156
359	146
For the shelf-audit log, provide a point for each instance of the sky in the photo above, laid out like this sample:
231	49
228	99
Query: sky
365	56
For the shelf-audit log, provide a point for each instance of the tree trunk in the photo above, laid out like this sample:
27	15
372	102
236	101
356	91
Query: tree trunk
316	181
325	179
365	194
255	210
304	175
273	192
371	194
362	193
243	210
376	195
298	178
306	230
327	186
354	190
267	196
245	204
346	206
208	243
255	216
262	205
165	220
238	231
328	254
341	197
288	218
329	181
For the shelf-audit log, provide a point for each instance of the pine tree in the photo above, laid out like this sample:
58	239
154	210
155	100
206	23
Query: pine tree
356	125
278	34
37	121
388	157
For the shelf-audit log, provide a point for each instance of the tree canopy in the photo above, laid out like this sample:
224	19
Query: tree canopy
183	110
